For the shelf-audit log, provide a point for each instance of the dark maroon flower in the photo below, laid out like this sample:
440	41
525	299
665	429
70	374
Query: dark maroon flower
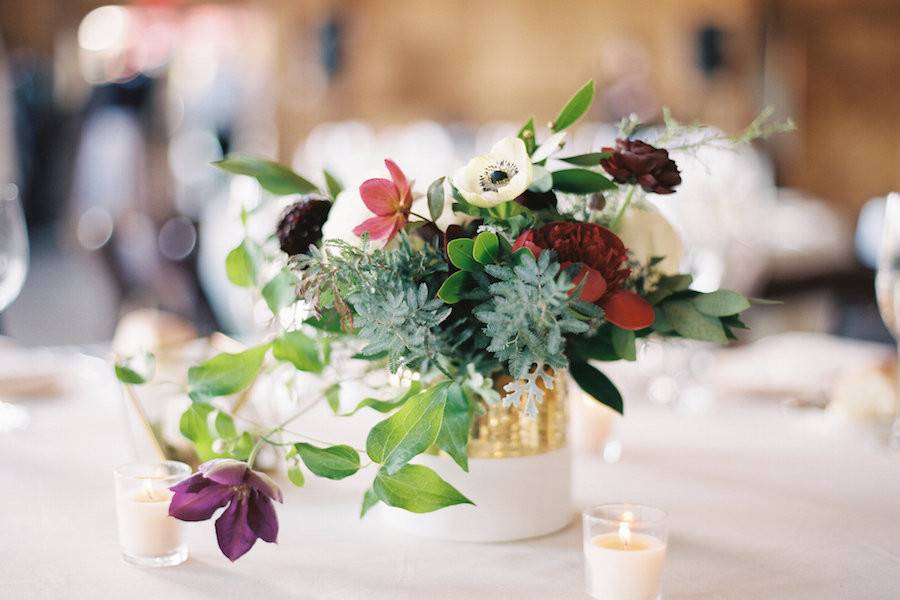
247	493
602	256
301	225
634	161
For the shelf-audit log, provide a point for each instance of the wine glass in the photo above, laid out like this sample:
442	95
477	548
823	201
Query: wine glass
887	288
13	267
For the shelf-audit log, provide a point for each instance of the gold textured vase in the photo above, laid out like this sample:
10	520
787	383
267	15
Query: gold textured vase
506	432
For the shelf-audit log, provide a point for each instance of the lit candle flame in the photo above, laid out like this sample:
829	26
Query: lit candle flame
147	488
625	534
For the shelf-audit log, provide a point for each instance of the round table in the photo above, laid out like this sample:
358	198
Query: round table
764	503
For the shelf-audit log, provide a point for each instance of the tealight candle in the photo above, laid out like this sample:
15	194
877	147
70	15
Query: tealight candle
624	550
148	536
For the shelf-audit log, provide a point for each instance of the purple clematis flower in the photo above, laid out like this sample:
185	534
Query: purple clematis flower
248	494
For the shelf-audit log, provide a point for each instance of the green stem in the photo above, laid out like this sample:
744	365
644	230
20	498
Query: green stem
424	218
256	448
618	220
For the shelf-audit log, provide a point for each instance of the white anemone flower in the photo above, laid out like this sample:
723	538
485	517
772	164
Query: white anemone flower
498	177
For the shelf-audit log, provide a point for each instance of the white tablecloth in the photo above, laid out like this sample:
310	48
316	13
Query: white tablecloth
764	504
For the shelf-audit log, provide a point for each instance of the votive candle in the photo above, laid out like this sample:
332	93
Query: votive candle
624	551
148	536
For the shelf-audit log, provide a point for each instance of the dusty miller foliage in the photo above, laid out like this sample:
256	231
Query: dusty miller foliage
528	313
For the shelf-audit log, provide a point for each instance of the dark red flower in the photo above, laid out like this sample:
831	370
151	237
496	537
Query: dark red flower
634	161
301	225
602	256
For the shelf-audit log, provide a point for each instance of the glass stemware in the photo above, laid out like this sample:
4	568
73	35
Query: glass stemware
887	289
13	267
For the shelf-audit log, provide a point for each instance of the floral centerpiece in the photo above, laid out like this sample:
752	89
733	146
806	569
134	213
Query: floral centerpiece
534	276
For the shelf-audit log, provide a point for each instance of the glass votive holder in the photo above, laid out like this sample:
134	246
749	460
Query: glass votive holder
148	536
624	551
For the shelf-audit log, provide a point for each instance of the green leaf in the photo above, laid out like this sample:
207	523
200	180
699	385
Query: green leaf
575	107
333	462
243	447
668	285
281	291
333	184
597	385
598	347
591	159
661	322
580	181
370	499
137	369
242	264
224	425
386	406
453	437
691	323
623	343
527	135
295	476
436	198
460	252
194	425
299	349
226	374
410	431
330	321
333	397
417	489
721	303
453	287
272	176
486	248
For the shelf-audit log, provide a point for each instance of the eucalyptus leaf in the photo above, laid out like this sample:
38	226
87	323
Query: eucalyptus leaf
416	488
453	287
623	343
486	249
333	462
226	374
300	350
581	181
281	291
591	159
436	198
370	499
453	437
460	253
333	184
386	406
243	263
410	431
272	176
597	385
721	303
691	323
575	107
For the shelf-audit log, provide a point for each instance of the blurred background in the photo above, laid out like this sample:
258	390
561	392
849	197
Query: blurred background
111	113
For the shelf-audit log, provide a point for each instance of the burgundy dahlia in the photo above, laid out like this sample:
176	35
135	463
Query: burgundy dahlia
301	225
636	162
602	257
248	495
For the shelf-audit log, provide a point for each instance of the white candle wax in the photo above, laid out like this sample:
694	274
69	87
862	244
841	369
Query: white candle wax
145	527
617	570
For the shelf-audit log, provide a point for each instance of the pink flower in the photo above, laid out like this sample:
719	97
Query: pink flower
390	200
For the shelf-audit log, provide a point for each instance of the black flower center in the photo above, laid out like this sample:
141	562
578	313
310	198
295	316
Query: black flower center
496	175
